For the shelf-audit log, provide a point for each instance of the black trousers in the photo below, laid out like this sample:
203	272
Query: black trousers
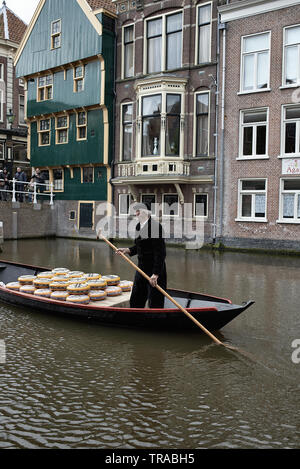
142	290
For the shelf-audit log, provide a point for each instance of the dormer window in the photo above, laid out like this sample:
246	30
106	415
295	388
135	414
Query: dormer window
55	34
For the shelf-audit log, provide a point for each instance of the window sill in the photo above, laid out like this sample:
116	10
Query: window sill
283	87
253	91
289	222
244	158
289	157
251	220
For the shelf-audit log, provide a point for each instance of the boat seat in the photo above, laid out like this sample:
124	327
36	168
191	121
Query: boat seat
184	302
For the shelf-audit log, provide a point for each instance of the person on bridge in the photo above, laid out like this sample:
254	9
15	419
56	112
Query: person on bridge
149	246
20	176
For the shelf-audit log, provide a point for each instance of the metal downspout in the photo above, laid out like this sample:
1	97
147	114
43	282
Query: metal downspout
222	135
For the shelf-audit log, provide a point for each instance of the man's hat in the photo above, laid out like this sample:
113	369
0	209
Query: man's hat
142	206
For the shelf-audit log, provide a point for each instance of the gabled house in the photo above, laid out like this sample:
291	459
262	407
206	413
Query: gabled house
13	130
66	60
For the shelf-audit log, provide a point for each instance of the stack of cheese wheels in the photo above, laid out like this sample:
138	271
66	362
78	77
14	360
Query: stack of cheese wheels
97	284
61	271
26	279
30	289
15	286
43	292
111	279
78	288
75	274
126	285
97	295
58	285
42	282
81	299
59	295
92	276
76	280
45	275
113	291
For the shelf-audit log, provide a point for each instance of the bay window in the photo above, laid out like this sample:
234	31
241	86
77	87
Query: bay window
291	67
255	62
252	198
164	42
151	125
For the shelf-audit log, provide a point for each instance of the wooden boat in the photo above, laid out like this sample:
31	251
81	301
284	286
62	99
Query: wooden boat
212	312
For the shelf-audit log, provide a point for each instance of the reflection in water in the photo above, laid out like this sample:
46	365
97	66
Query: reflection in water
70	384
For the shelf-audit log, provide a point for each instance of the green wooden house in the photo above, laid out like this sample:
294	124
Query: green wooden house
66	59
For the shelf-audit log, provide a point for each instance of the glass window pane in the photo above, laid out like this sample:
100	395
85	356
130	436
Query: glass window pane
62	122
173	103
256	43
292	35
82	132
292	113
151	105
202	135
248	77
262	70
202	103
56	27
127	113
124	204
174	22
292	184
248	141
170	204
291	59
49	79
127	142
149	199
154	28
154	54
45	138
261	139
174	47
78	72
260	205
288	206
258	185
81	118
246	205
254	116
151	136
204	14
298	207
128	60
290	138
128	34
201	205
172	136
204	44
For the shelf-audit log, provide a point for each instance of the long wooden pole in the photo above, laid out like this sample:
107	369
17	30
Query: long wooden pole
217	341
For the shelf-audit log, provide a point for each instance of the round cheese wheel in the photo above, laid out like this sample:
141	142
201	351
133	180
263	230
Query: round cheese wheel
26	279
78	288
84	299
13	286
111	279
126	285
113	291
59	295
97	295
30	289
43	292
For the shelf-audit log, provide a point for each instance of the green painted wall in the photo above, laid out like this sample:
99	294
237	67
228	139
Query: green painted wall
64	97
74	190
79	38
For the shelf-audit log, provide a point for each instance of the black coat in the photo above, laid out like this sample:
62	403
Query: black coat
149	246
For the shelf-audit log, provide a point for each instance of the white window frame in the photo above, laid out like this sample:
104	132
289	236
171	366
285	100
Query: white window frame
56	34
254	137
155	203
195	124
1	71
197	33
1	105
253	193
40	132
163	16
122	133
284	84
154	88
123	51
194	205
168	215
128	195
297	137
296	193
243	54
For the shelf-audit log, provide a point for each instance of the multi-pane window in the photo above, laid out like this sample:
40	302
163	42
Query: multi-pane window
255	73
124	204
56	34
58	179
81	123
203	49
127	129
128	48
291	130
161	129
44	130
170	205
202	124
21	110
290	200
291	68
200	205
149	199
253	141
45	87
78	79
87	175
164	42
252	199
61	129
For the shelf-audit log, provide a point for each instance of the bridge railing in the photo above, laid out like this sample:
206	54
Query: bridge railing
30	191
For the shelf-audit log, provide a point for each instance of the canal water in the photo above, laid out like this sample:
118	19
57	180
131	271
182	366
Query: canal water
70	384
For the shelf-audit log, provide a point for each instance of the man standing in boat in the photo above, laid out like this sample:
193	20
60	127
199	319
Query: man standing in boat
149	246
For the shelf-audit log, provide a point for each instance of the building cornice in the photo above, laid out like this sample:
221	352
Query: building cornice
245	8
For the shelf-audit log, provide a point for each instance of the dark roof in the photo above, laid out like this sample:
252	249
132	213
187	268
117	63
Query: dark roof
15	26
106	4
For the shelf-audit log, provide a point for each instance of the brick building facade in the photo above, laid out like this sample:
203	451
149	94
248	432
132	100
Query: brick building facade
165	131
259	177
